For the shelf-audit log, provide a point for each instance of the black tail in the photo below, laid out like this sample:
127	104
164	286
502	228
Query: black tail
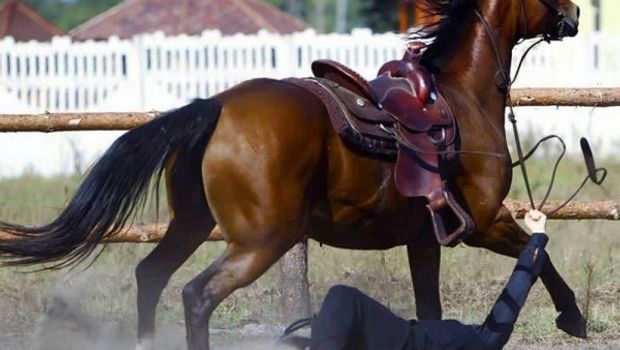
114	187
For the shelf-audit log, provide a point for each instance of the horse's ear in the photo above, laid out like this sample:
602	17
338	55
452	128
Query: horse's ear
590	165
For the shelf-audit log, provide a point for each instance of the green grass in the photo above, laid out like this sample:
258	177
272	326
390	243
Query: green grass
586	253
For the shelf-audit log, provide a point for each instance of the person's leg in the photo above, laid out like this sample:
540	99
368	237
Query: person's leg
445	335
350	319
497	328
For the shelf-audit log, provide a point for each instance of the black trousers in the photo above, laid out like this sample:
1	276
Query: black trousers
352	320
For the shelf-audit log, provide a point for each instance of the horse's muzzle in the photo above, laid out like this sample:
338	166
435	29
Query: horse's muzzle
568	27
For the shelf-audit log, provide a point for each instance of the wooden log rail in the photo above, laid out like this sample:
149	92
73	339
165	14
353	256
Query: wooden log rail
590	97
53	122
578	210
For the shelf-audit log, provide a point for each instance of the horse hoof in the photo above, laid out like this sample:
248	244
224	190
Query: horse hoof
573	324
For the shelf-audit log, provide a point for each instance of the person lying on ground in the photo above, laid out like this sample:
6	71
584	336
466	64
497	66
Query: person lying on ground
349	319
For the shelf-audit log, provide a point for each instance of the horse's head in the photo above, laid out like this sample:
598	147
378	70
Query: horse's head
515	20
553	19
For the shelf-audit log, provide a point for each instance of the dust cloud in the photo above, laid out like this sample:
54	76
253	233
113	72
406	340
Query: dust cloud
66	325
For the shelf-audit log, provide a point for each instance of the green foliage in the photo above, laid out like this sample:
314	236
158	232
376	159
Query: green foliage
380	15
67	14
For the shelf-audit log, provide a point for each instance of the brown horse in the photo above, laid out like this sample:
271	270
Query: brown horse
263	162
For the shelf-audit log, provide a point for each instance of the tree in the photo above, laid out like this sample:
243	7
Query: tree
67	14
342	14
319	14
379	15
294	7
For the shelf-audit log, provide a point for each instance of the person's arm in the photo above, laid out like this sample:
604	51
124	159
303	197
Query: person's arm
535	221
497	328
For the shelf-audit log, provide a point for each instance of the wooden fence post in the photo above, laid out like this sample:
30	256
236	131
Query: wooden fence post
294	287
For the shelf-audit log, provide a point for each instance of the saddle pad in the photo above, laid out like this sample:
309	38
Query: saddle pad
363	137
415	174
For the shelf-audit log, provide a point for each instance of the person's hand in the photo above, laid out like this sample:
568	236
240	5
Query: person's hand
535	221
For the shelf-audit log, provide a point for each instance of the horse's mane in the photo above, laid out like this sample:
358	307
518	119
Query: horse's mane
449	16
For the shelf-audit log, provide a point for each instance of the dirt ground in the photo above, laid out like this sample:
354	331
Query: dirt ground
171	338
95	309
66	330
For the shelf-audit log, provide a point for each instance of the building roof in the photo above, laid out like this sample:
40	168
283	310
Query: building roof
191	17
24	23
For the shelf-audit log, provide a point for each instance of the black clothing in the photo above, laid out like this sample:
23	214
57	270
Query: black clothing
349	319
352	320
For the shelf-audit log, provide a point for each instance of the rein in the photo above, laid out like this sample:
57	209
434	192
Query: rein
505	85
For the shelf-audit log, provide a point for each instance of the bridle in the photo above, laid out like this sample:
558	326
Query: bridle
554	7
504	84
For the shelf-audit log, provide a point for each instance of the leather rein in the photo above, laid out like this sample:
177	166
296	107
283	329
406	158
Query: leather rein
504	84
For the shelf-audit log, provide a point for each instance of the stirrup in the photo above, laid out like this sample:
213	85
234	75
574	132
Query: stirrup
466	223
297	342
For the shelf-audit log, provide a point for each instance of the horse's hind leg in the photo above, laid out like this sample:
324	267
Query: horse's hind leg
260	173
506	237
182	239
237	267
259	229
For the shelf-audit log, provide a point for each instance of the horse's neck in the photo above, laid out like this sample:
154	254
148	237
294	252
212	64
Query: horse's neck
473	67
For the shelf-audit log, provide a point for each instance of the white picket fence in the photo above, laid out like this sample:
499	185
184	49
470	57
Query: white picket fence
155	72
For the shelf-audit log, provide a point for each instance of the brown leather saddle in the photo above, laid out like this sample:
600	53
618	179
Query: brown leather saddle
399	116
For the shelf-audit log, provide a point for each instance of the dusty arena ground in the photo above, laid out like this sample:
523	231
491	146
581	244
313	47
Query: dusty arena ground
95	309
68	329
63	335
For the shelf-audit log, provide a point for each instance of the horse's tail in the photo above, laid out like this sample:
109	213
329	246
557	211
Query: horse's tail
117	184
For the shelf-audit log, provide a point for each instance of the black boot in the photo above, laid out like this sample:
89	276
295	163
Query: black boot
289	339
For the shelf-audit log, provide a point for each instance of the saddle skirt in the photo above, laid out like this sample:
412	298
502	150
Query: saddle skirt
399	116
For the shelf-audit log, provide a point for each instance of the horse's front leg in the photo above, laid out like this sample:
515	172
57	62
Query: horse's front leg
506	237
424	259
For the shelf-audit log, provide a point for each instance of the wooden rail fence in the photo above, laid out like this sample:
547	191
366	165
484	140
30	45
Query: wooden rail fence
293	267
577	210
53	122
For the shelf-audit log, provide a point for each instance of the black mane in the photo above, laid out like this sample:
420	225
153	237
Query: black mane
444	32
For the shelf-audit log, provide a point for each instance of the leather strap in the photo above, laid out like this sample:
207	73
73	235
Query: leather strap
585	147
